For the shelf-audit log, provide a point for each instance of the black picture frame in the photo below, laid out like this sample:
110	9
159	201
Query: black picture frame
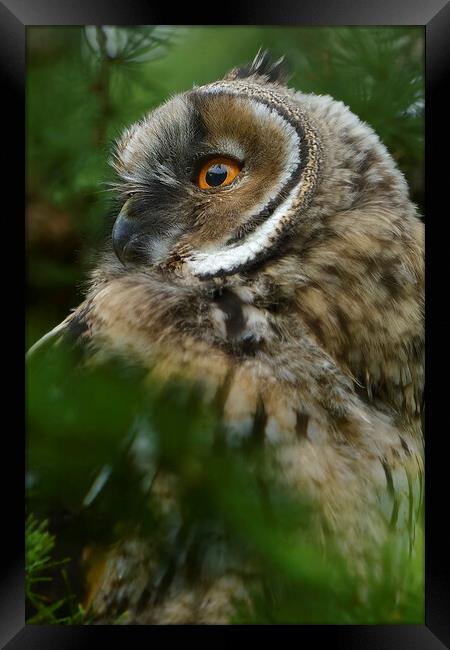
434	16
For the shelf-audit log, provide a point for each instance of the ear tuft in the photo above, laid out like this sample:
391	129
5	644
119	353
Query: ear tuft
263	66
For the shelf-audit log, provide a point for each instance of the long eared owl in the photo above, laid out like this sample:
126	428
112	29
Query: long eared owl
268	250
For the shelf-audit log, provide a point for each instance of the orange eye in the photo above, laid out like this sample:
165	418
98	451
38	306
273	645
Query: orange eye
218	172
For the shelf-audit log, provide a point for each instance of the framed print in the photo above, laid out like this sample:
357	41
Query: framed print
226	327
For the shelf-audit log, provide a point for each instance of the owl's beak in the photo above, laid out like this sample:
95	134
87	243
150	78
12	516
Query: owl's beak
124	231
138	240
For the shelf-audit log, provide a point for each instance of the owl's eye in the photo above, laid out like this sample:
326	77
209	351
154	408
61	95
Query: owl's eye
218	172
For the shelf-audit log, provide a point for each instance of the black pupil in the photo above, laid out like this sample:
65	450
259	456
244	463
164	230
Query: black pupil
216	175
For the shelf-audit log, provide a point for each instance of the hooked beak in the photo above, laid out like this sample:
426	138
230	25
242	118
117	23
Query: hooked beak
125	230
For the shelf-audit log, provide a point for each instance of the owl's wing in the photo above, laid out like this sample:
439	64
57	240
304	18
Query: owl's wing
53	337
73	329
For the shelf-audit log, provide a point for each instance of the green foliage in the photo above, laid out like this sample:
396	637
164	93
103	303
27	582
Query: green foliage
77	417
39	567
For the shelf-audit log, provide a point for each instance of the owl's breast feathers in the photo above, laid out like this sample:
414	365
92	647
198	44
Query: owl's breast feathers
330	350
353	445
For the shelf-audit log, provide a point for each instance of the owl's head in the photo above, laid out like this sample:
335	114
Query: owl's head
223	177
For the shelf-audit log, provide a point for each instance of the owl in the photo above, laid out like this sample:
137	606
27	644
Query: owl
267	250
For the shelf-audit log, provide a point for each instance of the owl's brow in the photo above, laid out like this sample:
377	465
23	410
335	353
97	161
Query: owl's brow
126	186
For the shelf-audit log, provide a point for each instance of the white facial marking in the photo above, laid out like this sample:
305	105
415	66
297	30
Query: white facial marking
230	147
219	258
231	257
